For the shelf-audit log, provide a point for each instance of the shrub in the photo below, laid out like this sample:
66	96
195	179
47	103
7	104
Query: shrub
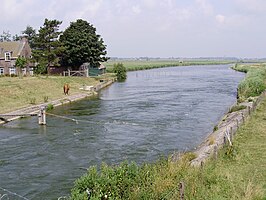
120	71
49	107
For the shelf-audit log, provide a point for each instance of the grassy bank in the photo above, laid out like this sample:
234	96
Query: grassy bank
254	82
134	65
16	93
238	173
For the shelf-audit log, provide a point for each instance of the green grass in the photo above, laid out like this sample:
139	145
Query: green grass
133	65
16	93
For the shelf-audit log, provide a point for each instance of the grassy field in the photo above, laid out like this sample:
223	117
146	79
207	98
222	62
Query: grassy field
16	93
238	173
133	65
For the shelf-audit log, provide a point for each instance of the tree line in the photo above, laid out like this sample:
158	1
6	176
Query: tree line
77	44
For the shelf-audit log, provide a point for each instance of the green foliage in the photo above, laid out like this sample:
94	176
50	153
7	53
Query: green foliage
49	107
82	44
21	63
120	71
46	46
40	69
237	108
114	182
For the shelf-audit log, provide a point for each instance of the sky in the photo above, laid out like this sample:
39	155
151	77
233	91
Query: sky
154	28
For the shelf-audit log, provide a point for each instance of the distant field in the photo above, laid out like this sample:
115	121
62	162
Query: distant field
133	65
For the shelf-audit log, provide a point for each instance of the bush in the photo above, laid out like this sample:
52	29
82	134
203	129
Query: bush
113	182
49	107
40	69
120	71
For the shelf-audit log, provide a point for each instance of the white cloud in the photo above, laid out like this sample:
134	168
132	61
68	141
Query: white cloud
220	18
252	5
205	7
136	9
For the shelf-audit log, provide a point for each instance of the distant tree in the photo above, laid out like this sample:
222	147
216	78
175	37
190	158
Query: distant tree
15	38
82	45
6	36
20	63
47	47
31	34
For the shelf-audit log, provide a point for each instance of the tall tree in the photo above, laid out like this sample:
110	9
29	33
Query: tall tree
6	36
47	47
31	34
82	44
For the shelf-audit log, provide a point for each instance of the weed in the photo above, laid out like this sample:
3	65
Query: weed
215	128
45	99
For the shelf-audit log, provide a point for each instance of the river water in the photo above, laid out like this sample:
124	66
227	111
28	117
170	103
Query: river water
154	113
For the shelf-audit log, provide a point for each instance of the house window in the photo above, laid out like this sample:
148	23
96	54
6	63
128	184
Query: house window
12	70
24	71
7	56
31	71
1	71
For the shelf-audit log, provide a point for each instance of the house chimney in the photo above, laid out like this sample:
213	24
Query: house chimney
24	38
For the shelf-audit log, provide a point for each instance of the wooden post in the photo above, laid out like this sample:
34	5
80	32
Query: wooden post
182	190
249	110
201	164
231	133
225	140
42	116
237	123
243	118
